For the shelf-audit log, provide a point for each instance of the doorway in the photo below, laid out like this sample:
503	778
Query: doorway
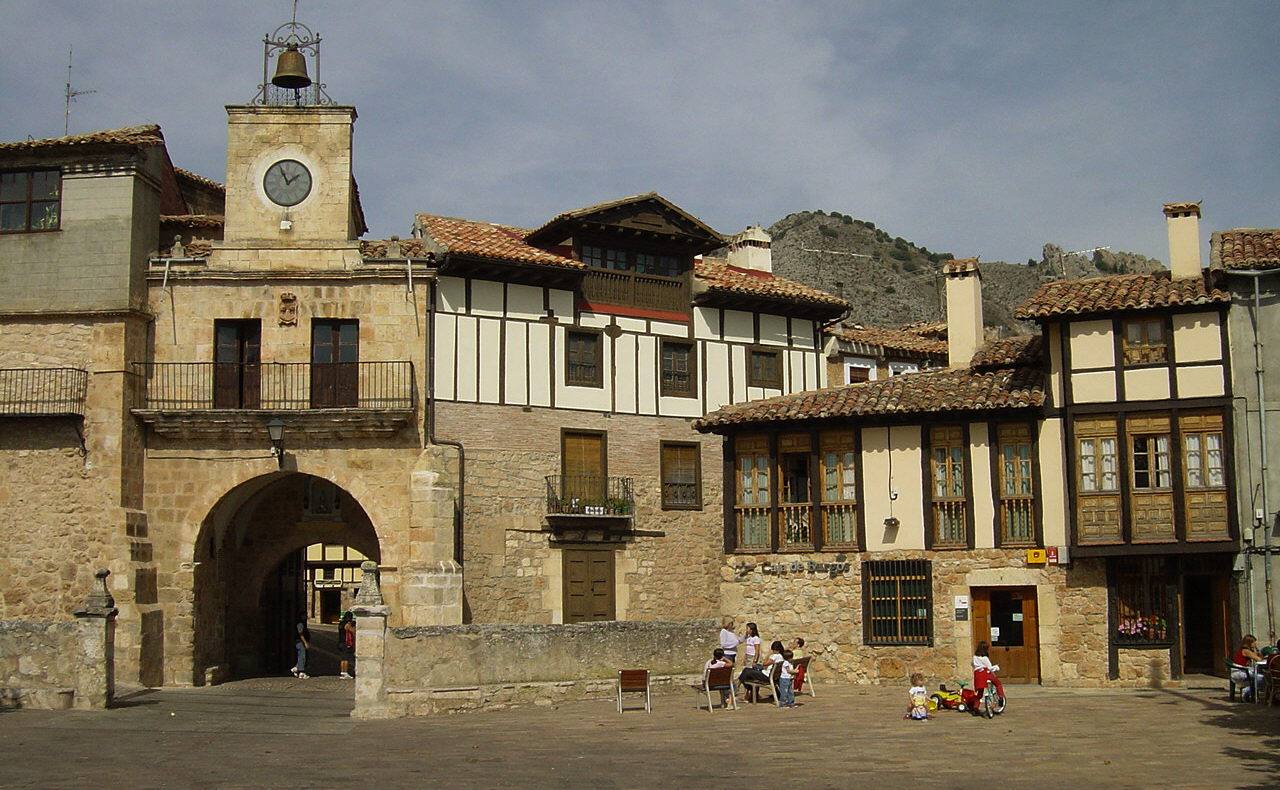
1204	624
1007	618
237	364
589	579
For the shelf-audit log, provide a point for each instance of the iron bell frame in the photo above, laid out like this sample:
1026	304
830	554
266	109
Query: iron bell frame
298	35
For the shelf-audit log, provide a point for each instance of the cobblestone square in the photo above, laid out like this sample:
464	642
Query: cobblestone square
282	732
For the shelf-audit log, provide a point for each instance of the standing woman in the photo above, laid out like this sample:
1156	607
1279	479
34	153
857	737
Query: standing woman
346	643
302	644
751	646
729	640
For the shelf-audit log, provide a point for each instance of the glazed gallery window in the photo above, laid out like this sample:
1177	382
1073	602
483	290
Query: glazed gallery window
1097	466
897	602
617	259
1149	459
1204	476
1097	463
584	359
678	363
839	507
681	476
30	200
947	487
752	505
1145	341
1016	485
1143	601
794	496
764	368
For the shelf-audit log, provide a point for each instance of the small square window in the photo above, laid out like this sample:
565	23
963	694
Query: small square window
30	200
584	359
679	364
681	476
1145	342
764	368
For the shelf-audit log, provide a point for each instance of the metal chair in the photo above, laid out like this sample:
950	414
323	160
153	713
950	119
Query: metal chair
635	681
720	679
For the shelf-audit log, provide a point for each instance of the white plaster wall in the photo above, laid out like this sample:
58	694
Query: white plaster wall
1146	384
1092	344
1201	381
1096	387
984	509
1053	481
1197	337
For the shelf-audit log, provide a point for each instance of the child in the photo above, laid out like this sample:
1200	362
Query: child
918	708
751	645
718	661
786	694
984	671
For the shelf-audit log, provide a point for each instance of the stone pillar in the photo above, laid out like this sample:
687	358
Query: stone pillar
96	669
431	581
371	640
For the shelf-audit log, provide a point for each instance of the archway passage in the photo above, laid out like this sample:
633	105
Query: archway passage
260	562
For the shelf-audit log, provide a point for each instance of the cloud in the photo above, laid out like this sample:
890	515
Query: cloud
980	129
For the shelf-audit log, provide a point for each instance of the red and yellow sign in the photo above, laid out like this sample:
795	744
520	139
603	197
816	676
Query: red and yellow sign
1036	557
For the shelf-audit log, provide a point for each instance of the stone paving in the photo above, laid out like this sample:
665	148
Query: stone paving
286	732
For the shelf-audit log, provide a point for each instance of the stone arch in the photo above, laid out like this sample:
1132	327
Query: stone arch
251	532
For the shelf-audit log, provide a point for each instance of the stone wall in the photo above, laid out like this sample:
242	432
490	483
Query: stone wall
39	663
1144	667
512	568
826	609
441	669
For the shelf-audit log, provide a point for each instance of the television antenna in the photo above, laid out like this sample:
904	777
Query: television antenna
70	97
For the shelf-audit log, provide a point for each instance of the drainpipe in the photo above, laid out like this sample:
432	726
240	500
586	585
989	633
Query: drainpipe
1267	517
429	421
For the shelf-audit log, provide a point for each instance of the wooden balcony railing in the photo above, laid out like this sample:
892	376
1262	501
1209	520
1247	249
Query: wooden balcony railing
273	386
795	523
840	525
753	527
43	392
631	289
590	495
1017	520
950	528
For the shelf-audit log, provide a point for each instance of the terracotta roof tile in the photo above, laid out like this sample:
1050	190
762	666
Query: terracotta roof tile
960	266
491	241
901	339
1120	292
1185	207
146	135
719	277
409	248
917	393
1007	352
193	220
934	329
196	178
196	248
1245	248
594	208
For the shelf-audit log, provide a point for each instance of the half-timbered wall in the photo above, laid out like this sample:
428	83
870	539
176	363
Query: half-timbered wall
504	343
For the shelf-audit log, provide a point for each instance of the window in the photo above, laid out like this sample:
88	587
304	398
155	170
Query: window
1097	480
30	200
584	359
751	510
764	368
794	497
897	602
1204	474
681	476
858	370
335	363
947	487
1142	599
1016	485
1150	461
678	366
584	483
839	505
1144	341
619	259
899	368
1098	464
237	368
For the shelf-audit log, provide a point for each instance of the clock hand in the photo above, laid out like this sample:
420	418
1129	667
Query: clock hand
286	178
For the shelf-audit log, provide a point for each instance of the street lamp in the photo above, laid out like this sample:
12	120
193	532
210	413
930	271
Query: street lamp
275	430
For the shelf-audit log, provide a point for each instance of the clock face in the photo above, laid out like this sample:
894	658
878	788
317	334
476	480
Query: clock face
287	182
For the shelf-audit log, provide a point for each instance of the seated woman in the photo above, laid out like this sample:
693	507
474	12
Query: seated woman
1244	673
760	674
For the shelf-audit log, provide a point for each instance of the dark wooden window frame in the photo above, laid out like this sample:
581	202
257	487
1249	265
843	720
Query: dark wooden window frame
28	201
897	568
692	347
1156	583
630	252
597	381
926	460
1122	341
997	491
697	473
604	448
752	379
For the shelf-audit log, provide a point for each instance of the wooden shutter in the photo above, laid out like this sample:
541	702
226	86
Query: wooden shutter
582	464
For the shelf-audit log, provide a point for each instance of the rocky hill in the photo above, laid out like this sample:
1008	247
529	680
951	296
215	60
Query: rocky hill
891	280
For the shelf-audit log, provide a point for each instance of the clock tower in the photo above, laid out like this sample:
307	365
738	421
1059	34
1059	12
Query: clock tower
291	199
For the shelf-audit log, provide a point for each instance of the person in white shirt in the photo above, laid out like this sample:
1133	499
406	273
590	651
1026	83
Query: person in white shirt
759	674
786	694
751	646
729	640
984	671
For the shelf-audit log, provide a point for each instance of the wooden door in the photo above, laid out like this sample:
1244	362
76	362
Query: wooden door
236	364
335	364
1007	619
588	585
583	467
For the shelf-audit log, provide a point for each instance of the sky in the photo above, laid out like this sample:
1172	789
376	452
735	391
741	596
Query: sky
973	128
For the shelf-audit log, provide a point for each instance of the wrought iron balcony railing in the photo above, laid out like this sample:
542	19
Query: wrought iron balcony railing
276	386
590	495
43	392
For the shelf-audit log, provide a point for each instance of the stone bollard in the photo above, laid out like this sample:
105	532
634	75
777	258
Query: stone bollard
96	669
371	641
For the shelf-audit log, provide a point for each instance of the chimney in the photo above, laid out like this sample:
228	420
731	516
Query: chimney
750	250
1184	239
964	311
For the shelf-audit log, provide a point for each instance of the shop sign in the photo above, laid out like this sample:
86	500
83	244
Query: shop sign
831	569
1036	557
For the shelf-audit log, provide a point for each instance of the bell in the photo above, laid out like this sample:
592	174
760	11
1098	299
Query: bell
291	69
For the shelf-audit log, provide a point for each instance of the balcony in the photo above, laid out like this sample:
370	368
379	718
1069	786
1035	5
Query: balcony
590	507
632	289
43	392
235	399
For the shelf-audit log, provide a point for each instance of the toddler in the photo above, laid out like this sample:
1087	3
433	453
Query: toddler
918	709
786	694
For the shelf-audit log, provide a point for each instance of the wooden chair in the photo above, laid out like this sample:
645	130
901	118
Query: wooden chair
754	686
804	675
635	681
720	679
